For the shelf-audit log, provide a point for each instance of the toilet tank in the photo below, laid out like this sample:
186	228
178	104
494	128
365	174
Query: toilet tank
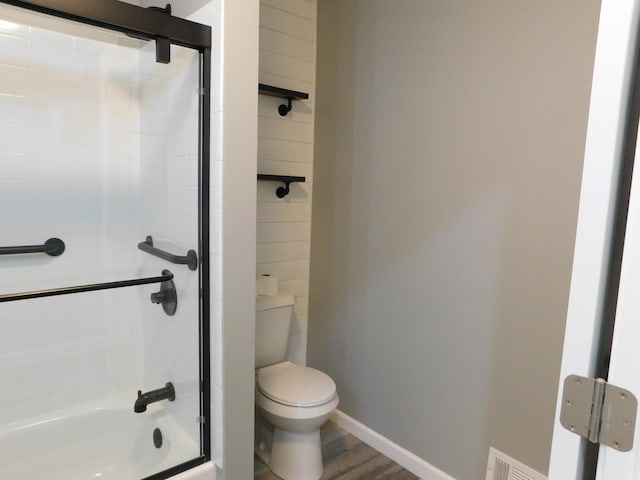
273	318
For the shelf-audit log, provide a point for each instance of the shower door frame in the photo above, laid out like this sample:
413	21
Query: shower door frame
154	25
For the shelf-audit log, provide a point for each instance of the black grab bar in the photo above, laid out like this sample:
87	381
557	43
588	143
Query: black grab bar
190	259
52	292
53	247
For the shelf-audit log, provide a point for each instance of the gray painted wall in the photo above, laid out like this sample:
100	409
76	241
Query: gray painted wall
449	144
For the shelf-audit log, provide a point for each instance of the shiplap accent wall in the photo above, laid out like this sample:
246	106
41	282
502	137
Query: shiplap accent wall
285	147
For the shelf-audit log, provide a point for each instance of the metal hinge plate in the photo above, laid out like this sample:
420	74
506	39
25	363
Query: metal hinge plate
598	411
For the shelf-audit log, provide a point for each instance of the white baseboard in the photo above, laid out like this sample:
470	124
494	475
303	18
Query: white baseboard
401	456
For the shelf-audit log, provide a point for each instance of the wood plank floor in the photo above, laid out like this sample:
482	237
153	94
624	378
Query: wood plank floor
347	458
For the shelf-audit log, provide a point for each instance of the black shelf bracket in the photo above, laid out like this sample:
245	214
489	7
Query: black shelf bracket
288	95
281	192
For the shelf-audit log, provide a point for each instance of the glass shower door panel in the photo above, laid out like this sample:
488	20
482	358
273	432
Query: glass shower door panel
169	120
98	148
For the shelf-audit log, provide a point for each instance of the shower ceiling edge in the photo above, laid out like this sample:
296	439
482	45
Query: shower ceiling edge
153	24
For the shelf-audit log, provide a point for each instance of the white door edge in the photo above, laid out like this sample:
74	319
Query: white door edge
623	370
609	95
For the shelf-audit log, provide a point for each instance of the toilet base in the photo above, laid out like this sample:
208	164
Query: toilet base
296	456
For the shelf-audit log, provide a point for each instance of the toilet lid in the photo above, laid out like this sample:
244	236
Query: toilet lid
296	385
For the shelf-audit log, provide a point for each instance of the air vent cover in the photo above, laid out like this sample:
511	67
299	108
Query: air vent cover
503	467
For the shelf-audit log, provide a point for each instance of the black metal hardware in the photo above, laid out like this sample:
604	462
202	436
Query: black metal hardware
166	9
165	393
52	292
190	259
167	296
53	247
163	50
130	19
278	92
281	192
175	470
163	44
204	167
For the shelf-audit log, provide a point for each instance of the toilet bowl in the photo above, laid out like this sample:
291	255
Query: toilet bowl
296	401
292	399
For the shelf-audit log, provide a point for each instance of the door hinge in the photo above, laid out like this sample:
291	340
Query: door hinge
599	412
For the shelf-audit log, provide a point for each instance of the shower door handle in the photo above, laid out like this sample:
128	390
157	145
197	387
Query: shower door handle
190	259
52	247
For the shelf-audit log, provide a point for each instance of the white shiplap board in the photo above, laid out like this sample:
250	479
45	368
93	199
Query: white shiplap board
273	149
287	23
285	147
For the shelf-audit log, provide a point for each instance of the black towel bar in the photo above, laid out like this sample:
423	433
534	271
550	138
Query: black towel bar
53	247
52	292
190	259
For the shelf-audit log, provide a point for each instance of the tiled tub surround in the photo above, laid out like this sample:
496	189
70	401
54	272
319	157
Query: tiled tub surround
86	157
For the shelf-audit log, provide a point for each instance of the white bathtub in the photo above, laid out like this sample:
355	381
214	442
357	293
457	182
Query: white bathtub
97	443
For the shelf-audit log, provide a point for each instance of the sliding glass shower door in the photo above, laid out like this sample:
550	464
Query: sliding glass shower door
103	248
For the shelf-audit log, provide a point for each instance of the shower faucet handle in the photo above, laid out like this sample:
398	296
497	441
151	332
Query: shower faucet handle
167	296
161	296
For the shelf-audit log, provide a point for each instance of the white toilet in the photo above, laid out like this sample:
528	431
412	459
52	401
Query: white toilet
293	399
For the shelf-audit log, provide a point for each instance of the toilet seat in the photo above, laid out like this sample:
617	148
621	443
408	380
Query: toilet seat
295	385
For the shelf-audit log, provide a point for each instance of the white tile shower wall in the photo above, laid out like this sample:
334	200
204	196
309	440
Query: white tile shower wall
69	155
285	146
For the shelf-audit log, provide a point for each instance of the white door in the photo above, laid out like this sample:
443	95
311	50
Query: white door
605	138
625	358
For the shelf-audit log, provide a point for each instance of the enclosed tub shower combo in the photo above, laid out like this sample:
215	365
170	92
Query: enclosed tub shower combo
104	266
